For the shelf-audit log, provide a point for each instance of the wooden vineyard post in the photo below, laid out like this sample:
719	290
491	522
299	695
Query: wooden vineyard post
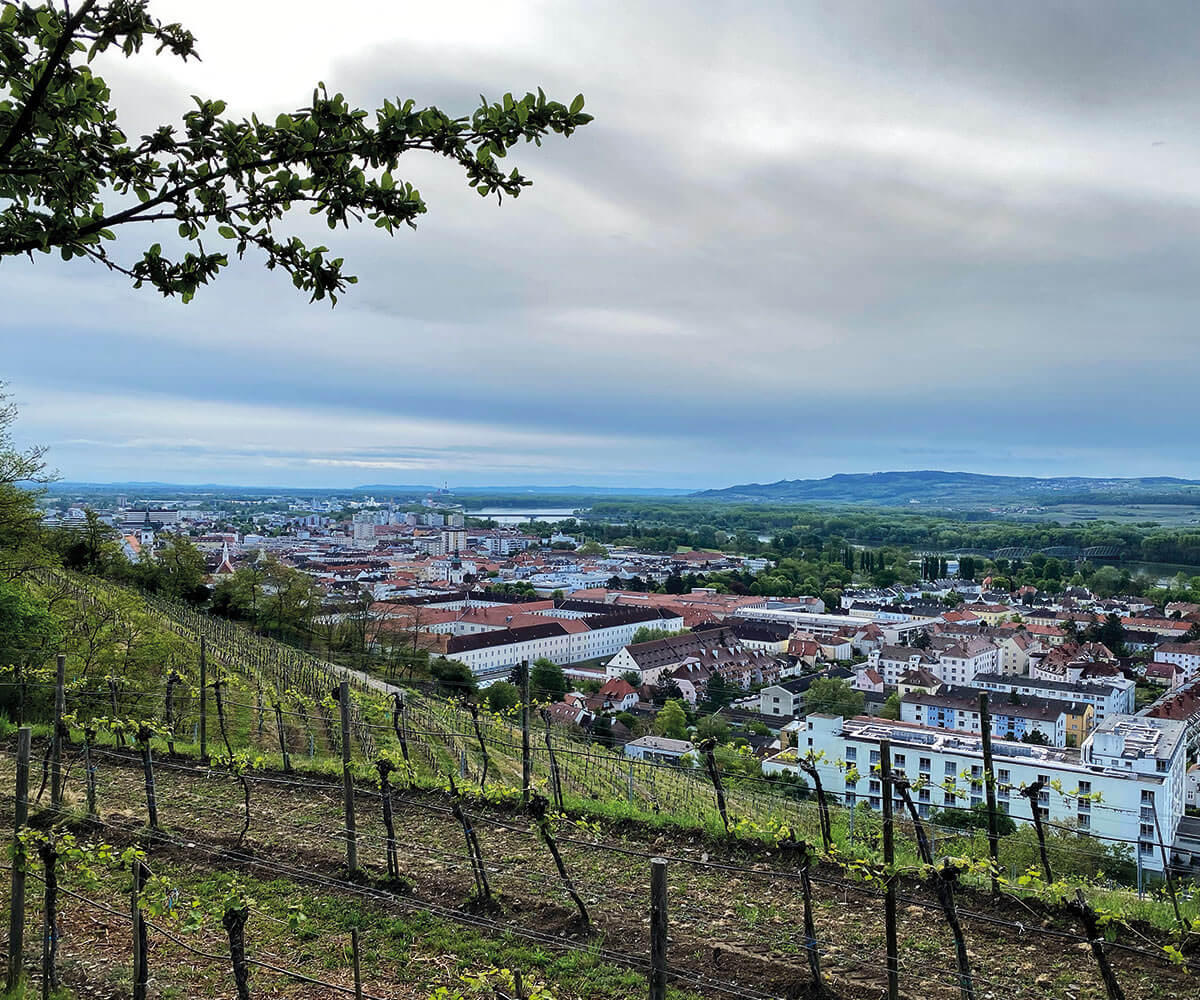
173	680
889	859
56	789
348	780
203	700
141	970
358	991
658	928
16	922
526	761
989	782
89	769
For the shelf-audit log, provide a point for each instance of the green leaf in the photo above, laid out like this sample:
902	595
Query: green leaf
228	232
577	104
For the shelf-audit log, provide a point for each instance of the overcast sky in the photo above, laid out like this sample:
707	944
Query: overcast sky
798	239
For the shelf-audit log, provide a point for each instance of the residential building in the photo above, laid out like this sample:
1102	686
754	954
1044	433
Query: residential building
1136	765
1109	695
1185	654
658	749
958	708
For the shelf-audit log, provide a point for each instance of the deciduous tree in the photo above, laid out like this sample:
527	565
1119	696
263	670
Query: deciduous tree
70	178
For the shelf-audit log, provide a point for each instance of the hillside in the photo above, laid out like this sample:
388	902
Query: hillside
473	883
961	490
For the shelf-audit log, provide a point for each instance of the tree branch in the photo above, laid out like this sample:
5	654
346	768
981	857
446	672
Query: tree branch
38	94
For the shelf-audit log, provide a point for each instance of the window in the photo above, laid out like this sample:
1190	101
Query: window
898	760
951	771
924	764
851	753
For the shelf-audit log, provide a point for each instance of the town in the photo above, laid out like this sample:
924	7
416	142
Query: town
1094	699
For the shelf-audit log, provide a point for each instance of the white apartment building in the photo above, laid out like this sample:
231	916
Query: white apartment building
827	624
1109	695
1137	765
1183	654
956	663
567	641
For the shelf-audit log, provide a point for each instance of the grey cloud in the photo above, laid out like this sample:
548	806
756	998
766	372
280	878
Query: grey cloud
797	239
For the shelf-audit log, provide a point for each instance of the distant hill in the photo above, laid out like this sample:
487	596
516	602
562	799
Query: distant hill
962	489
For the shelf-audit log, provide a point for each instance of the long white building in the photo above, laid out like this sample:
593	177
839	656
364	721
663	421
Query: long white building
826	624
1136	764
1109	695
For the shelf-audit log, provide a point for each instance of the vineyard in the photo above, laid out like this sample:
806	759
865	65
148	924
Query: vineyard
288	821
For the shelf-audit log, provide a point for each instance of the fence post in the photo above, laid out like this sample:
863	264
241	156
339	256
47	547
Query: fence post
526	760
629	785
348	779
89	769
140	964
16	923
658	928
889	858
989	782
358	991
203	699
56	740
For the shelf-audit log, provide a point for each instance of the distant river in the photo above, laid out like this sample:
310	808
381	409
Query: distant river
505	515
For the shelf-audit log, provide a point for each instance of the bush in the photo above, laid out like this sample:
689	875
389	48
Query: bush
546	681
453	677
502	696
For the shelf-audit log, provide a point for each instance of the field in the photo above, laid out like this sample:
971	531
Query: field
1168	515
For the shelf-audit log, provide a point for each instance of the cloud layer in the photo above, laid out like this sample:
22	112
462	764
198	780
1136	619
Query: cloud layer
798	239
